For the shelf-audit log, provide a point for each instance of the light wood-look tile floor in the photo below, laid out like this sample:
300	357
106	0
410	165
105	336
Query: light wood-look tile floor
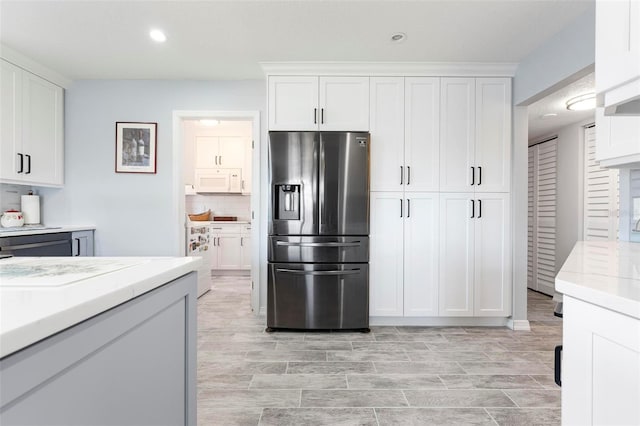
391	376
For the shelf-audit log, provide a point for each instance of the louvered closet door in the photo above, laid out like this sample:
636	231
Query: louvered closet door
600	194
543	217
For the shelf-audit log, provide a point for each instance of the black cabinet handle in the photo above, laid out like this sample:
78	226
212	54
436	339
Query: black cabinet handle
479	175
479	209
321	115
473	209
473	175
408	175
77	246
401	175
21	163
408	207
557	365
400	207
315	116
28	164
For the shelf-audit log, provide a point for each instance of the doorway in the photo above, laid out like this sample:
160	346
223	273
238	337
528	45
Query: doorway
243	199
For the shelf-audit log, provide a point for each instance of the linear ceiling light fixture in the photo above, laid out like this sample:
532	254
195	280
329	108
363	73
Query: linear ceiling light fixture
582	102
157	36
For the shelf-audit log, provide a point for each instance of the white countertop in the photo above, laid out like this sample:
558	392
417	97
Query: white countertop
217	222
42	229
40	296
604	273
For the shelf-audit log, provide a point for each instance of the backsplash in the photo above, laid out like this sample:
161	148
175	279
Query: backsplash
220	205
10	196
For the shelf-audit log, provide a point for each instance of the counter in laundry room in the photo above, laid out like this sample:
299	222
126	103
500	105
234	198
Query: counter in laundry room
106	324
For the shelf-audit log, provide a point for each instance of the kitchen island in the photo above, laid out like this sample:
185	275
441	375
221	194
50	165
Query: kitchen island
600	281
98	341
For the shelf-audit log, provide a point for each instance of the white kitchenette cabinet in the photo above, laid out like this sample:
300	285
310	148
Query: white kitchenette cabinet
230	247
32	128
310	103
475	134
404	254
213	152
475	256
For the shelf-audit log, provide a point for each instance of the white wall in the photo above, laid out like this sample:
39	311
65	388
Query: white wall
132	212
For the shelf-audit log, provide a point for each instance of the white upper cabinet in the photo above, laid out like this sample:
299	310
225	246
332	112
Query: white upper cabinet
213	152
493	135
475	135
422	133
457	134
617	140
318	103
293	103
32	129
387	134
404	133
617	44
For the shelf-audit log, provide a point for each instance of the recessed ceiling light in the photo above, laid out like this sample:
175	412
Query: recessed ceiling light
582	102
209	122
548	115
398	37
157	35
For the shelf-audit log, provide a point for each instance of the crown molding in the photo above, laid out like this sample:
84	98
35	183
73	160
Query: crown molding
418	69
19	60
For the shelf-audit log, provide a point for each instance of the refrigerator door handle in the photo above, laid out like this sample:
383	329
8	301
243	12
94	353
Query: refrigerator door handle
322	173
332	272
287	244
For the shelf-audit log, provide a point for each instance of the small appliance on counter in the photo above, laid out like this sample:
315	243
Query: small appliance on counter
12	218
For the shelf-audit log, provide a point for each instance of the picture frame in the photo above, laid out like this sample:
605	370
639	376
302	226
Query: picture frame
136	147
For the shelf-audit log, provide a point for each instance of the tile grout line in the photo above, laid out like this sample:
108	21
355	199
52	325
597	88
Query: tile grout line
492	418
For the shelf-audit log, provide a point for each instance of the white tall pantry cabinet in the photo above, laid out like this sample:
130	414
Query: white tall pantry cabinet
440	166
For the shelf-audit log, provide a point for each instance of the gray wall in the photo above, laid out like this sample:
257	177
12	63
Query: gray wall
133	213
557	61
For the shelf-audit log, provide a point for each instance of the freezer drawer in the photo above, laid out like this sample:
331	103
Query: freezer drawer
317	297
319	249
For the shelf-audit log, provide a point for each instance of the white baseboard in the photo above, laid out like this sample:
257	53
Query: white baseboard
518	325
439	321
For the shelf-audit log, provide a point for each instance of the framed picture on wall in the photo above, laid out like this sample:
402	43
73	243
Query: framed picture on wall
136	147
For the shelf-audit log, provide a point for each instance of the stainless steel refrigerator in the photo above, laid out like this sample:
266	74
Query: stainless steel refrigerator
318	231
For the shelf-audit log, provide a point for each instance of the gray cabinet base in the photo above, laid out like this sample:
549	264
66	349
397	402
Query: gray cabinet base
134	364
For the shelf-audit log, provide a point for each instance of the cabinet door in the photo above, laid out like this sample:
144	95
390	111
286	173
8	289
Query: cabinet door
206	153
213	249
344	104
82	243
387	133
229	252
456	254
10	126
617	139
422	133
493	135
231	152
293	103
492	257
421	255
385	254
245	251
42	132
617	43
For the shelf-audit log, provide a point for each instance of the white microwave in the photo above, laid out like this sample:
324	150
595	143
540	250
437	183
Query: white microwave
219	180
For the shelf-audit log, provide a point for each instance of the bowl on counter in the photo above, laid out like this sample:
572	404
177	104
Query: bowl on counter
11	218
199	217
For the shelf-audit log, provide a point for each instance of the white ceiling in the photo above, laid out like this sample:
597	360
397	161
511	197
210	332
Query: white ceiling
88	39
557	103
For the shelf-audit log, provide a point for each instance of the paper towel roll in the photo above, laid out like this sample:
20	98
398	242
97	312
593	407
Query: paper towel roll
31	209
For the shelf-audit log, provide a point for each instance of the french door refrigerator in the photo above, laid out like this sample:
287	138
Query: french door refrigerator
318	249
